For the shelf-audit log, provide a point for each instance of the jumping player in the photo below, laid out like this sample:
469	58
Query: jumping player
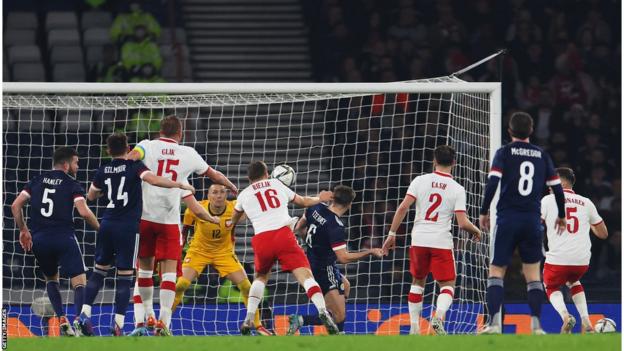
265	202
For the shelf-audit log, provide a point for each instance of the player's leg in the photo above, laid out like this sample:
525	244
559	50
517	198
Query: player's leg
44	252
145	282
419	268
313	290
504	243
169	249
256	292
554	279
580	302
183	283
531	252
443	270
126	246
330	280
229	267
72	265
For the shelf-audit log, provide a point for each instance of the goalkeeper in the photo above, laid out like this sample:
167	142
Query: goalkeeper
213	244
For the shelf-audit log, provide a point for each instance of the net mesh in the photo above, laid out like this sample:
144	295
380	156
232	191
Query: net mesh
375	143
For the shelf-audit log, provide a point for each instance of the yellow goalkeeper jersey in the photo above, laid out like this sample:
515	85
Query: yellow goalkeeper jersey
209	237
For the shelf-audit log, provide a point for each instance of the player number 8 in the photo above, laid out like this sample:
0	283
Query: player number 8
525	185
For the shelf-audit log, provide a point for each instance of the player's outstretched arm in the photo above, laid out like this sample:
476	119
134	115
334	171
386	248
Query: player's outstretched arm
343	256
220	178
464	223
161	182
87	214
397	219
199	211
93	193
308	201
25	238
600	230
236	217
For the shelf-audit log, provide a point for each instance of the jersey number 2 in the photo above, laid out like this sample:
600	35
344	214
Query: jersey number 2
436	200
271	199
168	168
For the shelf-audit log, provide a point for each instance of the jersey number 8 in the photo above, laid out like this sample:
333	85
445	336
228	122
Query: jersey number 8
525	184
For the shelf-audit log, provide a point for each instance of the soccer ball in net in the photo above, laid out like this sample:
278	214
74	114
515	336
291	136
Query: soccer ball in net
605	325
285	174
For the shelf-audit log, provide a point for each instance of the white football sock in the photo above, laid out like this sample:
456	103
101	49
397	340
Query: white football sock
315	295
556	299
255	297
147	292
444	301
167	296
414	305
139	309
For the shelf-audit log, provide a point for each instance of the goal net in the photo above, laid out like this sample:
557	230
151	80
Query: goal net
373	137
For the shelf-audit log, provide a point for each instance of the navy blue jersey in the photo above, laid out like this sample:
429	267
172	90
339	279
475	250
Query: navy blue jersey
524	170
120	181
52	195
325	234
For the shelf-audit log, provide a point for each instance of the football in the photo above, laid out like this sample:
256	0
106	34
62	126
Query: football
605	325
285	174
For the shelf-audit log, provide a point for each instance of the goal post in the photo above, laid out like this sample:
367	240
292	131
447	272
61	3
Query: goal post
375	137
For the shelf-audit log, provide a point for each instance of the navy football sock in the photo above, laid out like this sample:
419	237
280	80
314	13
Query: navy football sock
312	320
54	294
535	295
95	283
122	293
340	326
79	296
495	295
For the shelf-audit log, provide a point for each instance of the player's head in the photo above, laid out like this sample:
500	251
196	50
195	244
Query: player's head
343	196
257	170
66	159
117	144
217	194
171	127
520	125
567	177
444	156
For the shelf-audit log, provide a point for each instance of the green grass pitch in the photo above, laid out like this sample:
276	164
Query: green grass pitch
598	342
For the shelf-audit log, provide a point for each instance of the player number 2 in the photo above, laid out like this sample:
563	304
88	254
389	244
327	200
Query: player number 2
167	167
436	200
271	199
48	201
572	229
121	195
525	185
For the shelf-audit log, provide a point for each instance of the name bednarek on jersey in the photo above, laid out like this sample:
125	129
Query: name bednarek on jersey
438	197
573	246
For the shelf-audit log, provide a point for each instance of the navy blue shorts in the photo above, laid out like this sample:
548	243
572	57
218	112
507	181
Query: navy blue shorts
117	244
328	278
58	249
522	231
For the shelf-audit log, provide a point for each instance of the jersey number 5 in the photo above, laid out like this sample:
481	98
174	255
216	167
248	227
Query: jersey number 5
48	201
271	199
167	165
572	229
436	200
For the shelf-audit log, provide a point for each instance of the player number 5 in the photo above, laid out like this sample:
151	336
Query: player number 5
570	217
48	201
525	184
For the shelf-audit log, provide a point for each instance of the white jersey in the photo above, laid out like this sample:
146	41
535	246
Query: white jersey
573	246
170	160
437	197
265	203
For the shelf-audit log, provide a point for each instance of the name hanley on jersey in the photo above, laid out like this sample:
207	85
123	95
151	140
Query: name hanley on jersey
526	152
118	169
54	182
